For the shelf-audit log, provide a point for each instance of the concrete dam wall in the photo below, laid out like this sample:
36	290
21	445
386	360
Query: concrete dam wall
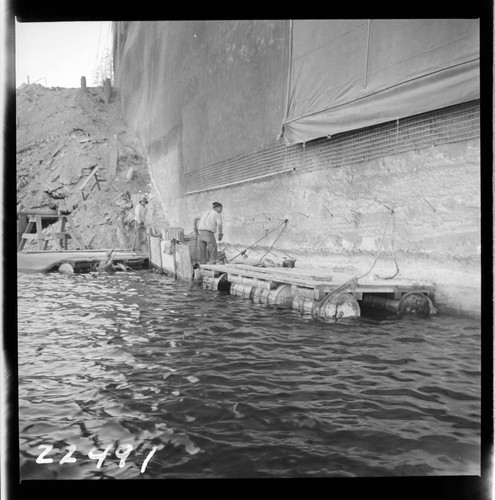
306	121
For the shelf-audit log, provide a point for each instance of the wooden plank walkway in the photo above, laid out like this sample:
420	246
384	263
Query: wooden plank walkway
46	261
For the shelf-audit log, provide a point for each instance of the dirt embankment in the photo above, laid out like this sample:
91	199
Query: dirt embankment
62	136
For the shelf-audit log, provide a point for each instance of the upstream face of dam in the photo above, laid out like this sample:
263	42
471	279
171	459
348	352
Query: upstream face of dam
278	121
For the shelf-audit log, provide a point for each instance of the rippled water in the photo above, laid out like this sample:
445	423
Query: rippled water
176	381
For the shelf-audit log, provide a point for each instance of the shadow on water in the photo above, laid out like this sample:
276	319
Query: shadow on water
171	380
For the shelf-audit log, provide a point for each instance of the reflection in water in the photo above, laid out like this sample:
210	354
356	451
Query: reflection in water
176	381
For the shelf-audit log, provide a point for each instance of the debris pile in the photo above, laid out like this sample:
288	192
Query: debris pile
64	136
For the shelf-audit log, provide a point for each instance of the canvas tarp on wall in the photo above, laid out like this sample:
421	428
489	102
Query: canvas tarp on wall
349	74
216	88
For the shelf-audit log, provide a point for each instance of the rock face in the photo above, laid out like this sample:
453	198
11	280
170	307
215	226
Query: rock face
62	136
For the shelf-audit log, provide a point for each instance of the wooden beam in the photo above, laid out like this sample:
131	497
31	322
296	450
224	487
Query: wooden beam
26	147
30	236
92	176
39	231
74	233
65	241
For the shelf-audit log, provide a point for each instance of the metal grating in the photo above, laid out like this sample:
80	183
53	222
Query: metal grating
452	124
241	168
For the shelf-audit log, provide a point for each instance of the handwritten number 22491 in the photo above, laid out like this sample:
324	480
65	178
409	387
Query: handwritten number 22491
94	454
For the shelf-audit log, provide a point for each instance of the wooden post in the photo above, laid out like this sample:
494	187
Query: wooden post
27	231
75	233
160	252
174	246
64	242
107	90
39	230
83	83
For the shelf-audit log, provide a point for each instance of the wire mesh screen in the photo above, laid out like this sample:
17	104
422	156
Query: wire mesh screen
452	124
242	168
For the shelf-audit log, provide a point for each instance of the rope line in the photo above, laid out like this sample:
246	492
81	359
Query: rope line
379	248
280	234
393	254
353	282
265	236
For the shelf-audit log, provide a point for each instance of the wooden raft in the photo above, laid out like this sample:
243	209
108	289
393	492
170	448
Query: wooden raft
318	285
82	261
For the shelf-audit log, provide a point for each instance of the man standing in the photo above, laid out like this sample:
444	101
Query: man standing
205	226
121	224
140	217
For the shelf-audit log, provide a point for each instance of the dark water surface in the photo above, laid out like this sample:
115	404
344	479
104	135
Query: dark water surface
207	385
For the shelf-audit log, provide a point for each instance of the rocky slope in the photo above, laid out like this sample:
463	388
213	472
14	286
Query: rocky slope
62	135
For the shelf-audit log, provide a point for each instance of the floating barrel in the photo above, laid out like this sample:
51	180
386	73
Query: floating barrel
65	268
220	283
339	305
416	303
259	295
246	291
281	296
264	295
409	303
303	304
381	303
241	290
236	289
256	295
